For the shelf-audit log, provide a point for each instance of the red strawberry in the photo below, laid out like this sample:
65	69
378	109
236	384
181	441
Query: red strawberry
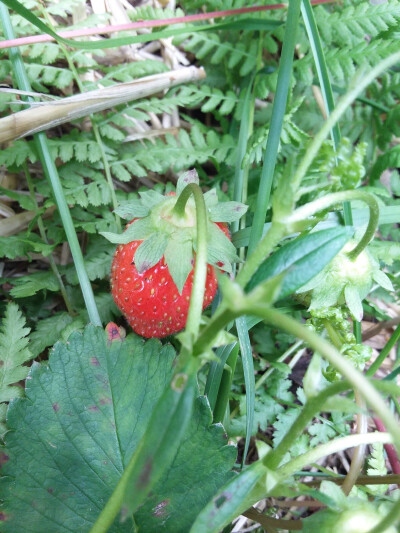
150	301
152	270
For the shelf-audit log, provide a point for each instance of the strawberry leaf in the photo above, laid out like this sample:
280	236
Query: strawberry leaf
81	421
210	198
151	198
383	280
178	256
139	230
185	178
131	209
150	251
220	249
353	302
227	211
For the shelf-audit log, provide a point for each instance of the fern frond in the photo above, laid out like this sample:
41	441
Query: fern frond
98	259
17	153
130	71
29	285
22	245
178	153
241	55
377	467
290	134
41	76
343	62
350	25
14	352
84	185
152	13
76	145
390	159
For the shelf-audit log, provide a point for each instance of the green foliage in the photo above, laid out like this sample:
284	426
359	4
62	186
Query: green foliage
178	153
93	401
14	352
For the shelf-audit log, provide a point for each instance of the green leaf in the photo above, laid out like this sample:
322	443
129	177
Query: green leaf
178	256
137	231
14	352
83	418
382	279
302	259
150	252
29	285
185	178
48	331
172	510
227	211
353	302
151	198
21	245
131	209
234	497
220	249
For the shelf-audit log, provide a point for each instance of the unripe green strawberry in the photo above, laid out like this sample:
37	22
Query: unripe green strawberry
152	270
345	280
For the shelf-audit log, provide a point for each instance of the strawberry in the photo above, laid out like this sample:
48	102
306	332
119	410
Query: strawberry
153	266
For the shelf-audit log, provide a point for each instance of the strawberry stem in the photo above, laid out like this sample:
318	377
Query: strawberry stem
320	204
200	268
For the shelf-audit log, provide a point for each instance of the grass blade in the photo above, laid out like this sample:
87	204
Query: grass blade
249	379
278	112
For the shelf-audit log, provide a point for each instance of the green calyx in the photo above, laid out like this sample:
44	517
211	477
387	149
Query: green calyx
346	280
167	225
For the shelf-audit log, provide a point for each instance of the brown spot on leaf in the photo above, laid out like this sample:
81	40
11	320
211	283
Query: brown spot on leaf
94	361
3	517
145	475
50	491
3	458
105	401
56	407
93	408
160	509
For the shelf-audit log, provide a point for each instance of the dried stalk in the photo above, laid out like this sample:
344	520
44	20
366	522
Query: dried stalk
47	115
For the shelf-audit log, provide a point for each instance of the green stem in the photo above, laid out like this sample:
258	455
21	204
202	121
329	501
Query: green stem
330	448
320	204
51	173
200	268
359	84
42	232
276	232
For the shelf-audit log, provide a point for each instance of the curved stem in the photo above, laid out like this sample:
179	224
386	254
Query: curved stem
320	204
357	461
200	268
329	448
